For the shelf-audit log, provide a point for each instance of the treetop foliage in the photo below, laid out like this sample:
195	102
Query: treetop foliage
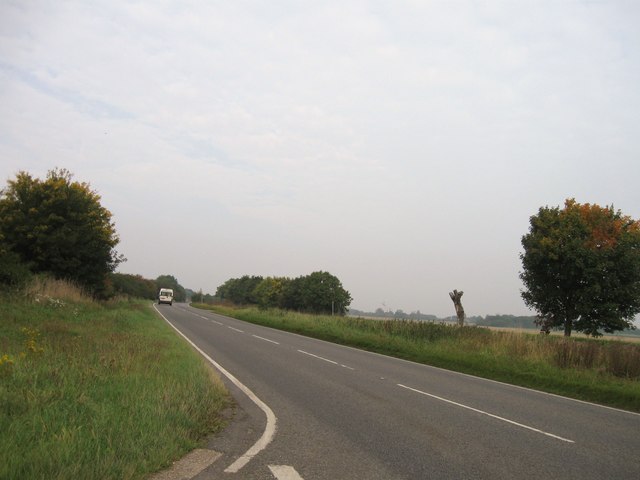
581	268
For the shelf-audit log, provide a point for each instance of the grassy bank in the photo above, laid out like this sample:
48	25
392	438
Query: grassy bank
93	390
601	371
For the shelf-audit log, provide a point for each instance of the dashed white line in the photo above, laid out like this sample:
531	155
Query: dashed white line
325	359
318	357
217	323
236	329
487	414
284	472
265	339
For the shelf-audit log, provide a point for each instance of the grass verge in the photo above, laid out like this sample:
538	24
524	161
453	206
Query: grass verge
91	390
600	371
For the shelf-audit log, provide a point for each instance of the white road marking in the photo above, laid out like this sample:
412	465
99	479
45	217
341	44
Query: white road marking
216	322
284	472
487	413
325	359
265	339
236	330
318	357
269	430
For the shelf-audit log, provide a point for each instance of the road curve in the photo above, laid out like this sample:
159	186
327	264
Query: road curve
346	413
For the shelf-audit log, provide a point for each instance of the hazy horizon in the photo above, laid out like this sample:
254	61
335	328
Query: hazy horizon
401	147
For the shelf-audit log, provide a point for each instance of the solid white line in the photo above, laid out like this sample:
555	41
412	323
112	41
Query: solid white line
270	428
316	356
487	413
265	339
284	472
235	329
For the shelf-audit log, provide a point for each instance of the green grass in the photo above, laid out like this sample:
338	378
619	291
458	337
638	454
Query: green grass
90	390
600	371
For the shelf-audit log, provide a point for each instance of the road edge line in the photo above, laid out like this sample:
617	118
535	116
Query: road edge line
270	429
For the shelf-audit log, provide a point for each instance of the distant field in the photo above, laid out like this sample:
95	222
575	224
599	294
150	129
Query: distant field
622	338
531	331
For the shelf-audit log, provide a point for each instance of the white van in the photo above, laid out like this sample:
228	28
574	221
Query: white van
165	295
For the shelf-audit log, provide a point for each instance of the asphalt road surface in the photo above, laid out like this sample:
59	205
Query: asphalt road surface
333	412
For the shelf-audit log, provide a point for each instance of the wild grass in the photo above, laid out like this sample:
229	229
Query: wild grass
601	371
91	390
46	289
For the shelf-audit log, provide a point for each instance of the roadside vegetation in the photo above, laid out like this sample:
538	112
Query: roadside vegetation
97	390
601	371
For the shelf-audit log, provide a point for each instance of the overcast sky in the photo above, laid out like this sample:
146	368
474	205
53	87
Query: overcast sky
401	146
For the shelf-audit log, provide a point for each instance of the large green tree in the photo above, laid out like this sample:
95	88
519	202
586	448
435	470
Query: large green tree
322	292
58	226
581	268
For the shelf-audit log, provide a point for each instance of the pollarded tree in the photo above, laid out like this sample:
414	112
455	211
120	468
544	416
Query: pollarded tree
58	226
581	268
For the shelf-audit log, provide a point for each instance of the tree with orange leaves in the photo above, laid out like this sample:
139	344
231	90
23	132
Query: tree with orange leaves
581	268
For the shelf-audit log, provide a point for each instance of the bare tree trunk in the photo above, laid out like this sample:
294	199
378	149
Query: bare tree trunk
568	326
455	296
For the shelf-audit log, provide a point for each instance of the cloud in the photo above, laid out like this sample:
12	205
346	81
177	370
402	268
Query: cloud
402	147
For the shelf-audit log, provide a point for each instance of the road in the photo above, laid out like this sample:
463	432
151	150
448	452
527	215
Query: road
342	413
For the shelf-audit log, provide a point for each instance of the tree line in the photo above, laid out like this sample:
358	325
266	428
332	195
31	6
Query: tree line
399	313
319	292
137	286
580	264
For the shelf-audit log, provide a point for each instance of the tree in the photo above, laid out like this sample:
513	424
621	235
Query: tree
58	226
456	297
581	268
239	290
270	292
321	292
13	272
